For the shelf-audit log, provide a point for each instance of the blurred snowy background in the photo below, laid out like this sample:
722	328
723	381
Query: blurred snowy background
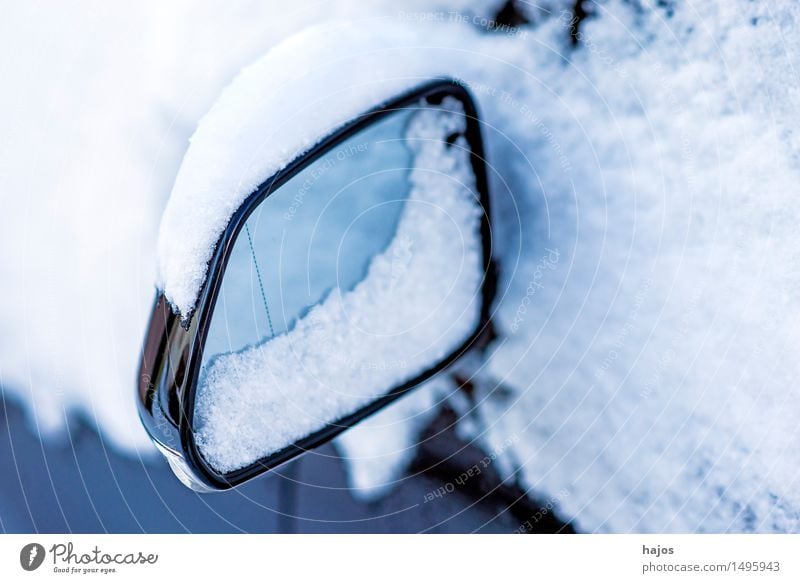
643	378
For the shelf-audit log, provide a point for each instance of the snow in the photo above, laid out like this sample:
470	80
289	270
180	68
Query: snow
257	401
652	380
275	110
655	380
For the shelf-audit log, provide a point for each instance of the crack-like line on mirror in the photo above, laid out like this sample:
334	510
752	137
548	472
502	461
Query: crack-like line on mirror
260	282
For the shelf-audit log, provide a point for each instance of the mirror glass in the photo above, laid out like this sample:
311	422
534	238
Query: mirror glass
359	274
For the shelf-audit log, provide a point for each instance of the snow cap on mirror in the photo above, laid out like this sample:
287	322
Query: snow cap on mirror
281	106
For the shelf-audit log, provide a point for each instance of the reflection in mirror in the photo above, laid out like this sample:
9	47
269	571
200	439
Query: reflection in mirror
357	275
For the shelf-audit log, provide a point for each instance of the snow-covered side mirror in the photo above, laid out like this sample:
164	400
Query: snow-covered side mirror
345	280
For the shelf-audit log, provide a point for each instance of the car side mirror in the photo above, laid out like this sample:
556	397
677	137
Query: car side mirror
350	277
